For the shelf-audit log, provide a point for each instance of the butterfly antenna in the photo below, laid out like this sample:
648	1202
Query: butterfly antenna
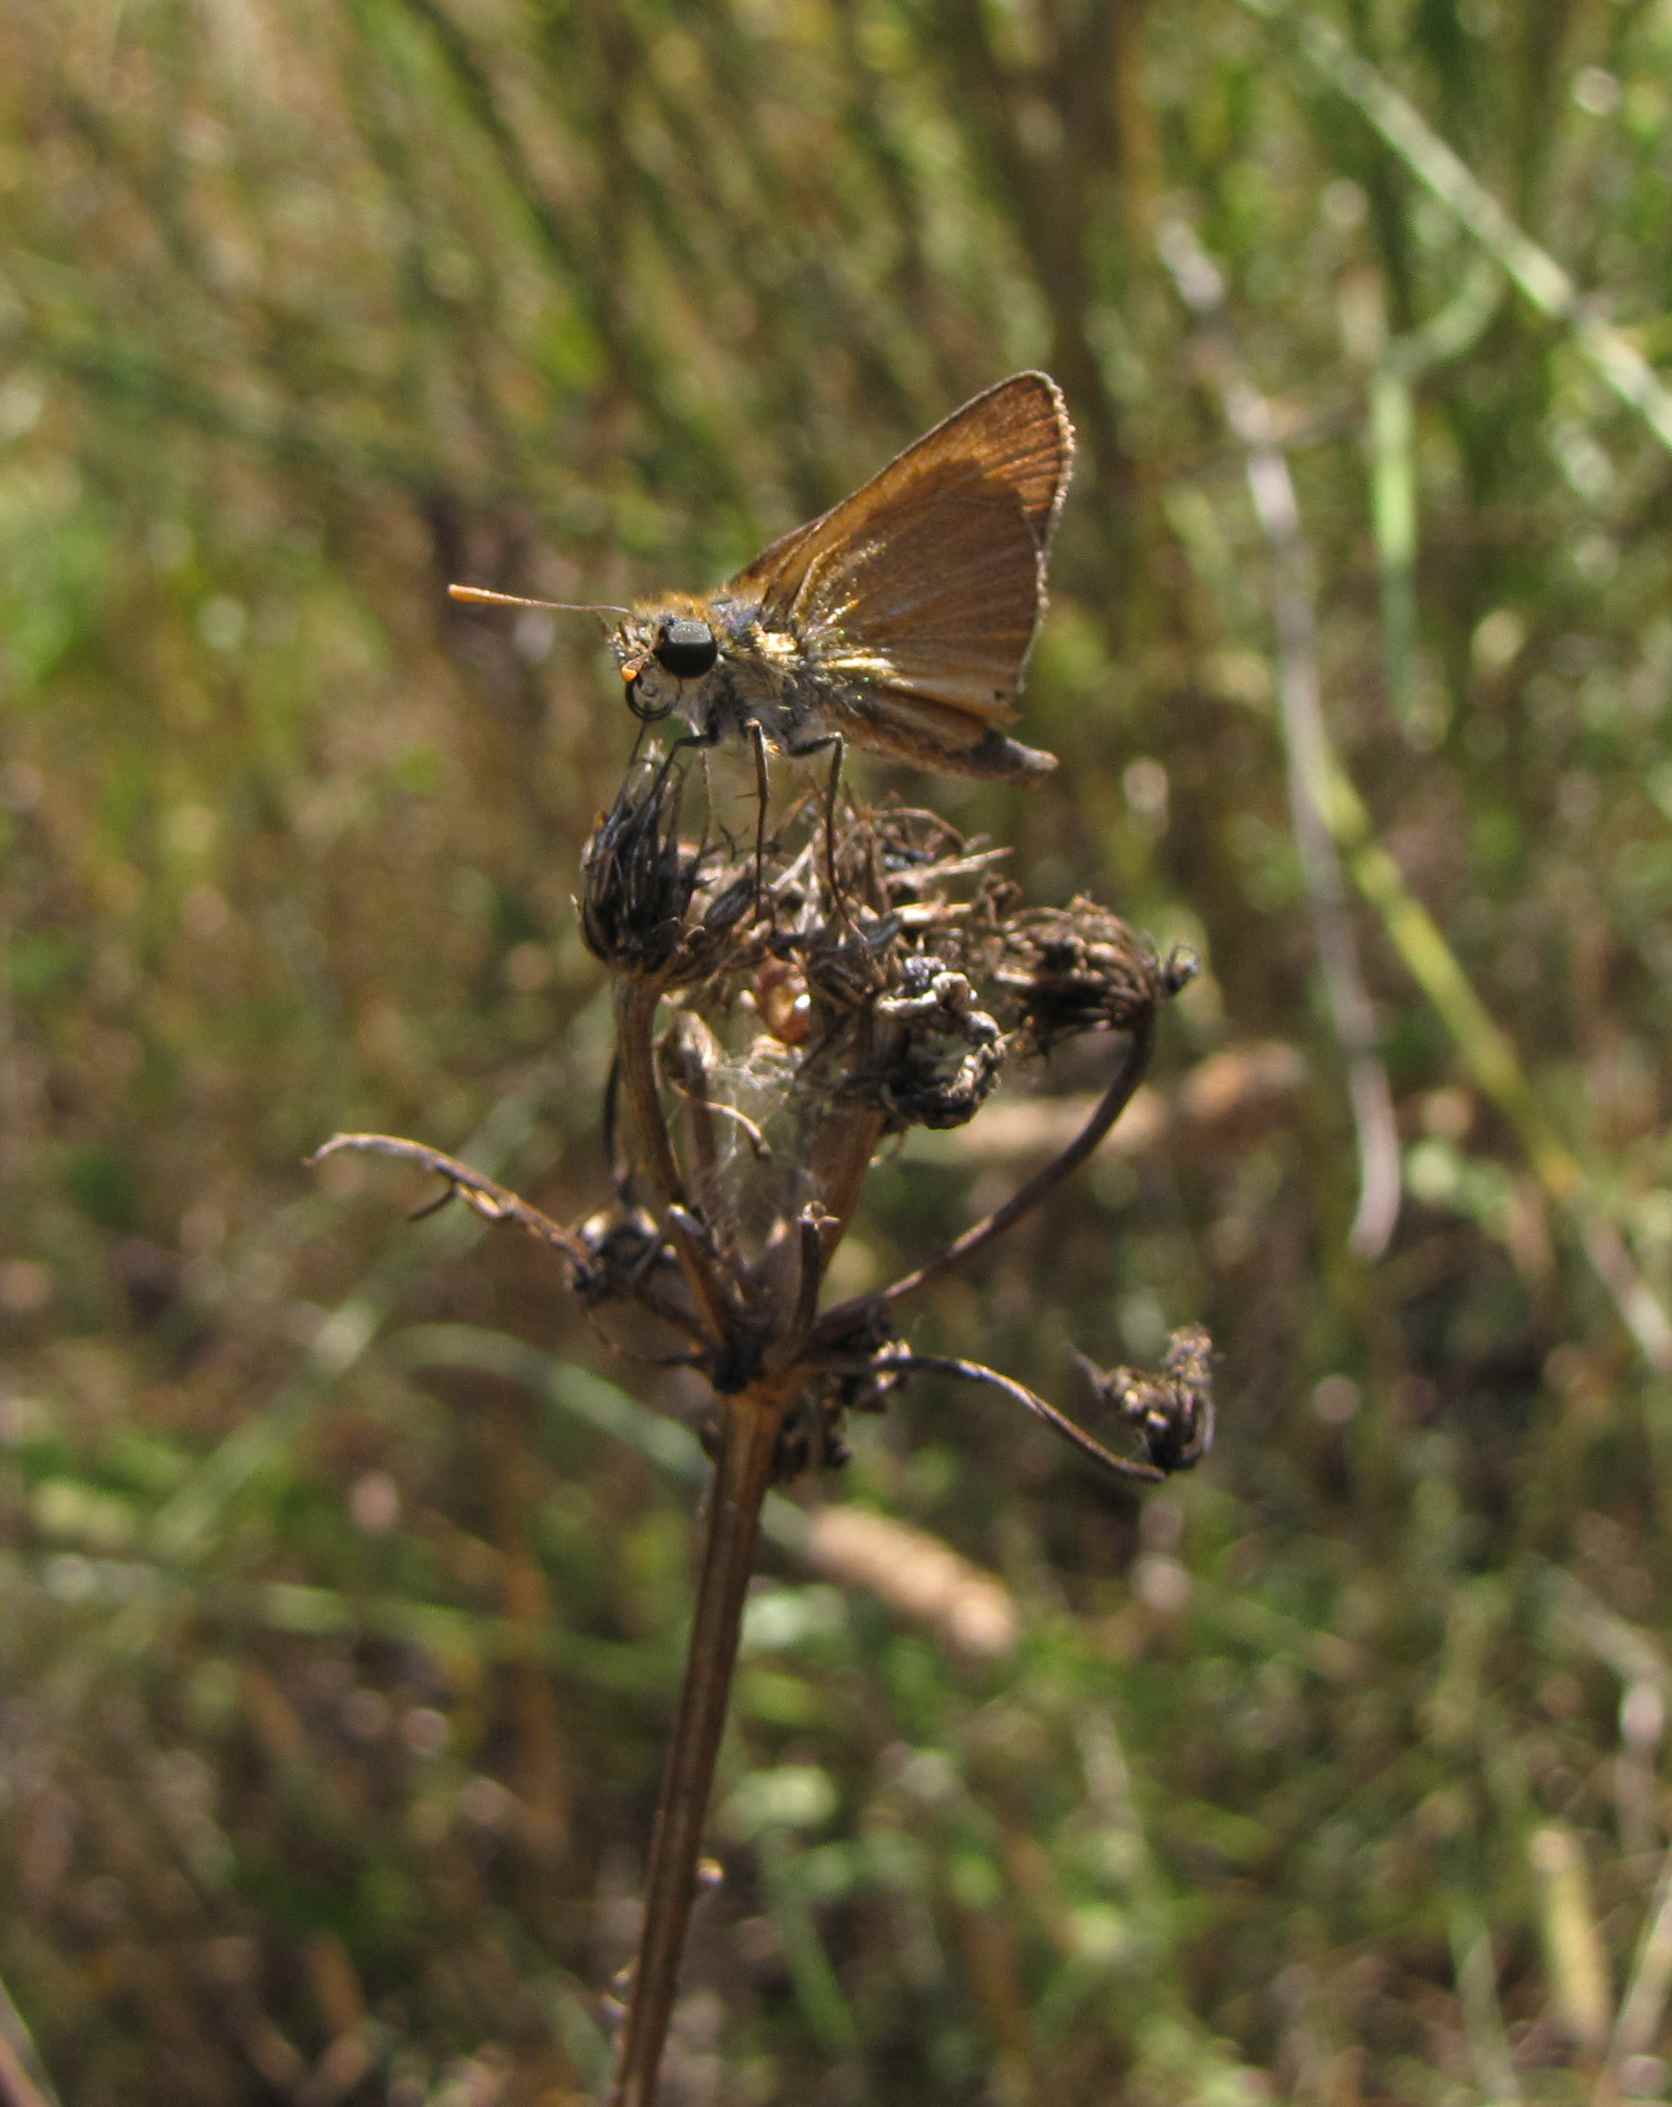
482	596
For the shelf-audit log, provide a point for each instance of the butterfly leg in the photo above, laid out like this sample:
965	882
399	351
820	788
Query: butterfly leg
702	740
829	742
763	786
836	746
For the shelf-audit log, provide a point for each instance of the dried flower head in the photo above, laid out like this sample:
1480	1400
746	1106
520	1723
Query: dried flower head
1073	969
784	1005
652	904
947	1054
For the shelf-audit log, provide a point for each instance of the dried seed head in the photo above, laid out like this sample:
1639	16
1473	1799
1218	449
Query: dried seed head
637	881
1170	1409
652	905
948	1054
1079	968
840	975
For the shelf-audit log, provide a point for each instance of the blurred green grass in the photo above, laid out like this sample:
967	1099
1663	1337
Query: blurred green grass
341	1648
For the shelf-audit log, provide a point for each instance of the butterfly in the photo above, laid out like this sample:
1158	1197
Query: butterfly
900	620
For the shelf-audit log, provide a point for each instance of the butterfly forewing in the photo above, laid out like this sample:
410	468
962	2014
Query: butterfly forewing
950	612
930	579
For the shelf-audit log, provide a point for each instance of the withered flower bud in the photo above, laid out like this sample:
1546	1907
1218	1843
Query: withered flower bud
623	1246
814	1435
1170	1409
811	1438
652	905
1079	968
637	880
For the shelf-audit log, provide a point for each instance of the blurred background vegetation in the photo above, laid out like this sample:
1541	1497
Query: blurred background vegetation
345	1571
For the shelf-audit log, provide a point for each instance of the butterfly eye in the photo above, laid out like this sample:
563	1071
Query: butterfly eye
686	648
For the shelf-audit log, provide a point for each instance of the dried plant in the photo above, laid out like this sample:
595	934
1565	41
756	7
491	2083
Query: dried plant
784	1005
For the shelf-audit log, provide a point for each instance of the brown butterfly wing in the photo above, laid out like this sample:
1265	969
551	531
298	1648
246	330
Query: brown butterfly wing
930	580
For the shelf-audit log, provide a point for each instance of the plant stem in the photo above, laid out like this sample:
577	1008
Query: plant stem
635	1015
750	1425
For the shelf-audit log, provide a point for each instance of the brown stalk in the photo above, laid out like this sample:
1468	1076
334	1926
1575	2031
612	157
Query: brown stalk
636	1001
841	1158
685	1235
1071	1431
750	1424
484	1196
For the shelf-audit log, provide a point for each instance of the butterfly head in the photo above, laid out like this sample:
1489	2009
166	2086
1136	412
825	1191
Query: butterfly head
665	656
